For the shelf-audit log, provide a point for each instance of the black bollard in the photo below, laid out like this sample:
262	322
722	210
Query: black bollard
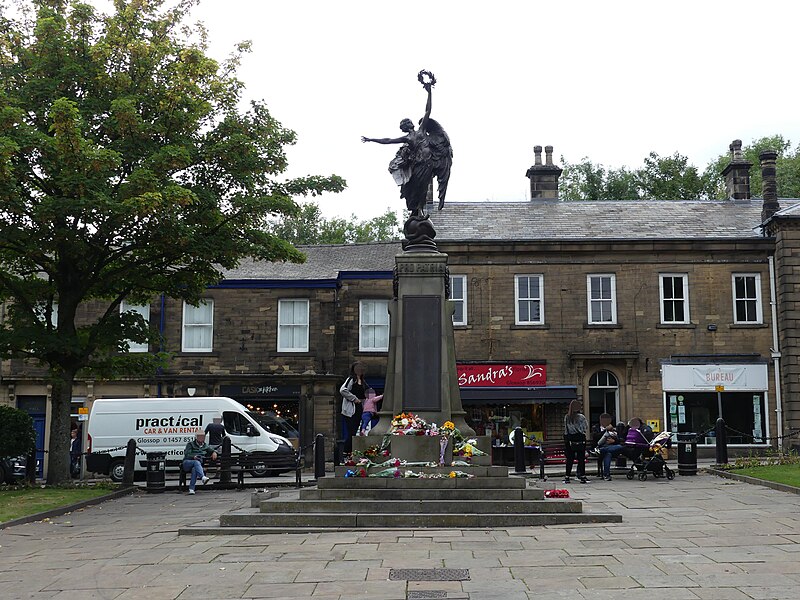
225	462
30	466
722	441
319	456
130	458
519	451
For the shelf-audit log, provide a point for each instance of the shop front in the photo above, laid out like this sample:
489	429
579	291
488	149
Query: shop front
695	396
499	397
276	407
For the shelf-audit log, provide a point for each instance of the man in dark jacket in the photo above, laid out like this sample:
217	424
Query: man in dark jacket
195	452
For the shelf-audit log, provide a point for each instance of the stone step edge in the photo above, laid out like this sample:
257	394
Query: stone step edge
269	530
567	518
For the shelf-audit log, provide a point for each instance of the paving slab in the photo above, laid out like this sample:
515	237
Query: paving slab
694	538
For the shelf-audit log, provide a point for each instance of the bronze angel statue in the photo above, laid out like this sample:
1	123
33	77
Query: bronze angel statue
425	153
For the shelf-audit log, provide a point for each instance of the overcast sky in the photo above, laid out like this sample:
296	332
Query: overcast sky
610	81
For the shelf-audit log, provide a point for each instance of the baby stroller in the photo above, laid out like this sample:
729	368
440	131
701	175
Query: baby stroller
649	459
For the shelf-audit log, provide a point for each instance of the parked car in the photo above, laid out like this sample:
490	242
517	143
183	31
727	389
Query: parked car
12	469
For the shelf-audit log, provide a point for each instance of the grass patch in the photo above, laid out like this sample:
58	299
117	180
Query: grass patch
16	503
786	474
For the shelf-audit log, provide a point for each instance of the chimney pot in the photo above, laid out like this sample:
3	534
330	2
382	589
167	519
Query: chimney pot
736	150
544	178
537	154
737	174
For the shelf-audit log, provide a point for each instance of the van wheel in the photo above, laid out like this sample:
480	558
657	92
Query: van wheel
116	470
260	470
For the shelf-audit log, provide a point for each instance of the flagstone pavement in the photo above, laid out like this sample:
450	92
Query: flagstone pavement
695	537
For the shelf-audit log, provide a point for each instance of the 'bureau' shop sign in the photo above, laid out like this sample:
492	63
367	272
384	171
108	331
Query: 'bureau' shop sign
501	375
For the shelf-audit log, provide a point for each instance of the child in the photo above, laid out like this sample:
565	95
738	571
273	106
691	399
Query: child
608	437
369	417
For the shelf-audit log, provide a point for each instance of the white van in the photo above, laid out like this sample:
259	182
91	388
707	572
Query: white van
167	425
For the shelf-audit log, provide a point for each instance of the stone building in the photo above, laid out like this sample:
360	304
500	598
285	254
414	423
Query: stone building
675	312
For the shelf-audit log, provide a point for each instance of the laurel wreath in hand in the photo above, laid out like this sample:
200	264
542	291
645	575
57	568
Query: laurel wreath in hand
422	75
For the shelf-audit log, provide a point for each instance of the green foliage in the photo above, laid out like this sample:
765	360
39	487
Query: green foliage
587	181
787	166
18	436
661	178
674	178
127	170
308	226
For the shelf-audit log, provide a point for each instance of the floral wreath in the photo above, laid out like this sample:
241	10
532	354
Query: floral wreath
431	79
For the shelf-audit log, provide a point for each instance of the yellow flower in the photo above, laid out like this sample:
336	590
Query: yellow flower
452	474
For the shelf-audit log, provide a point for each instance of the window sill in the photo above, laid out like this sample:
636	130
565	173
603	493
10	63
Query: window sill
748	325
602	326
293	352
462	327
531	326
198	353
676	326
371	352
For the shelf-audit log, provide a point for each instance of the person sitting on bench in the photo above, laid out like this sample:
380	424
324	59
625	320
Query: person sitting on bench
196	450
608	446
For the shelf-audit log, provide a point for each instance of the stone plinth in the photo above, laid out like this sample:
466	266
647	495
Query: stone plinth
421	372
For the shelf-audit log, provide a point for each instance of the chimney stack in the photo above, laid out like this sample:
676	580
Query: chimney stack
544	177
769	184
737	174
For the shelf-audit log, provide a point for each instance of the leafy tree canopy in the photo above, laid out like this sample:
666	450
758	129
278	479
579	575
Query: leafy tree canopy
675	178
308	226
127	169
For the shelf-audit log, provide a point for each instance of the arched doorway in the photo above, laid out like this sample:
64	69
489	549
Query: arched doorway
603	396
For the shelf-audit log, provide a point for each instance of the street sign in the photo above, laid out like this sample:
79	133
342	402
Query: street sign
83	411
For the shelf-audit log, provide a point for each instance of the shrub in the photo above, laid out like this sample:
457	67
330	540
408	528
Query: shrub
18	436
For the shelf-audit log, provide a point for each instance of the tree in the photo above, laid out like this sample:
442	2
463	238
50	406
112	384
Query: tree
672	178
587	181
787	166
127	169
660	178
308	226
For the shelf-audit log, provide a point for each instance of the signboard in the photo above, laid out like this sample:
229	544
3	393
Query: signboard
719	388
732	378
83	411
501	375
260	390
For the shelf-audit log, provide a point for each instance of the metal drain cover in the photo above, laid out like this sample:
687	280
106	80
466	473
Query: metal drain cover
425	594
429	575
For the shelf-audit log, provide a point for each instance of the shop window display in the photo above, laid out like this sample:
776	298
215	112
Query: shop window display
698	412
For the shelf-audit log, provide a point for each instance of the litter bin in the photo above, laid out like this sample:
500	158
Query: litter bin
156	471
687	453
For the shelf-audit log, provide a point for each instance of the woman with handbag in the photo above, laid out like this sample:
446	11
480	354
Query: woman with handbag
353	393
575	428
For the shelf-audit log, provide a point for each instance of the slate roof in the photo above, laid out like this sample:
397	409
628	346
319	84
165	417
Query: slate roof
322	262
612	219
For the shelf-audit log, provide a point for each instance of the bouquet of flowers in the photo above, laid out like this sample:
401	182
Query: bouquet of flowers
460	474
556	493
387	473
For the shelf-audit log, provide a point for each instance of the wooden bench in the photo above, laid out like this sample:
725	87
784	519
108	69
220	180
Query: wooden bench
256	463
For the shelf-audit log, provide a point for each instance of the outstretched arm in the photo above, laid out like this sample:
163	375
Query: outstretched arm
400	140
423	124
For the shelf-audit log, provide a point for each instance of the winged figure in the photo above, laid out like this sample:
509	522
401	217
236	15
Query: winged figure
426	153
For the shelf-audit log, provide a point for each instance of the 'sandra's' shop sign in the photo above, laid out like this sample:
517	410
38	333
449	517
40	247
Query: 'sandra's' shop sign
501	375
